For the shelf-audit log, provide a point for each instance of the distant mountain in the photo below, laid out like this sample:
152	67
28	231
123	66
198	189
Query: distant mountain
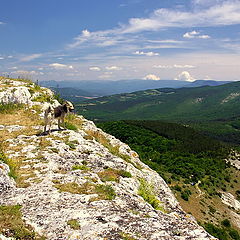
72	94
104	88
201	107
199	83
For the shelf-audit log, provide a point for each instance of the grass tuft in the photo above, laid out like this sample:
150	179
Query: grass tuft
147	192
80	167
71	126
74	224
10	163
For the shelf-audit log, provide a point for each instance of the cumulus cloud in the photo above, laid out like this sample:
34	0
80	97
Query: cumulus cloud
60	66
151	77
30	57
149	54
96	69
113	68
185	76
173	66
195	34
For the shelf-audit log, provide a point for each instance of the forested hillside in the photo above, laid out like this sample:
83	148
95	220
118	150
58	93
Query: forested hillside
213	110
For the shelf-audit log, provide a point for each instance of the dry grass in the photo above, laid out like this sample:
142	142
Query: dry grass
12	224
104	192
112	174
26	118
99	137
72	119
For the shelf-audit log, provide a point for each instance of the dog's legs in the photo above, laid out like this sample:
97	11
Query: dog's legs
63	123
50	125
45	125
59	122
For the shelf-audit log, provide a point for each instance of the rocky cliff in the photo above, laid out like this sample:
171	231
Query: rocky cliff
79	183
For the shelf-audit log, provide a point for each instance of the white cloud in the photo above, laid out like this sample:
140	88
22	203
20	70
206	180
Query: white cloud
151	77
185	76
149	54
113	68
30	57
60	66
207	78
27	73
173	66
86	33
220	14
105	75
1	58
207	3
195	34
97	69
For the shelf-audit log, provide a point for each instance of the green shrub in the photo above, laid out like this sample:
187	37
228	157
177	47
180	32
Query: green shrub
185	194
216	231
177	188
226	223
234	234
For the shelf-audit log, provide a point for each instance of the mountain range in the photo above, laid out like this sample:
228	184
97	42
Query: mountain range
213	108
103	87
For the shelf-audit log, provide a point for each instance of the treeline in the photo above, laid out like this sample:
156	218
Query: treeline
173	149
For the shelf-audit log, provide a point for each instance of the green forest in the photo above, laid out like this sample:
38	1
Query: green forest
175	149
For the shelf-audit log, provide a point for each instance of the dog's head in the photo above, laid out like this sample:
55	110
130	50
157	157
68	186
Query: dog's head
69	106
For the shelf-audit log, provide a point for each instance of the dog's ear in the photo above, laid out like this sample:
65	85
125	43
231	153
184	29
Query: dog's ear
65	108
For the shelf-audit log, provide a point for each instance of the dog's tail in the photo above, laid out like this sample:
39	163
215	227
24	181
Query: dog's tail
48	110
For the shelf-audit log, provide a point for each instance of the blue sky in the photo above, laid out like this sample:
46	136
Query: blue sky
120	39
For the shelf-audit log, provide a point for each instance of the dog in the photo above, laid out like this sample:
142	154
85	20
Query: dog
58	113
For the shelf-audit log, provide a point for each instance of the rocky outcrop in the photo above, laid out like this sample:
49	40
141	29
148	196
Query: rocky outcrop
92	178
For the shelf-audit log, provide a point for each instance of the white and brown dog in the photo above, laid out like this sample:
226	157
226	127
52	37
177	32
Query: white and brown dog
58	113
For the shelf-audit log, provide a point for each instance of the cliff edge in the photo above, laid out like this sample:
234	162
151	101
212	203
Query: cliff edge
79	183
